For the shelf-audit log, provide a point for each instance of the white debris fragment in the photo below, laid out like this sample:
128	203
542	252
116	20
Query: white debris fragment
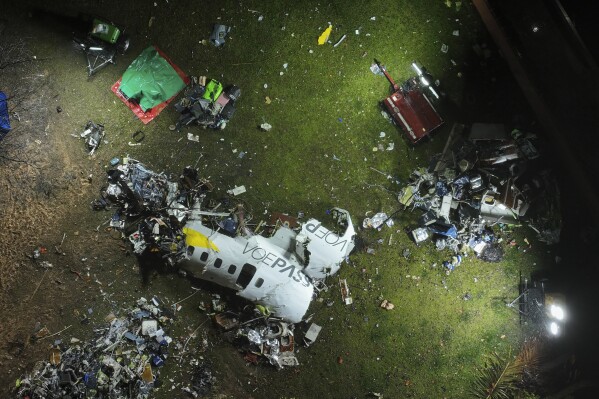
149	327
237	190
312	334
456	32
339	41
192	137
266	126
376	222
444	48
374	68
387	305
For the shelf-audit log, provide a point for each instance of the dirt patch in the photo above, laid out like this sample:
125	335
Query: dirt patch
40	186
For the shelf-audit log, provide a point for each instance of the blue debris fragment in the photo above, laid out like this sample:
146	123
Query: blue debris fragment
4	120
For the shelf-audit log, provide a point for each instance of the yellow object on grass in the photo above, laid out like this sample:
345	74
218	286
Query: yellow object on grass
325	35
197	239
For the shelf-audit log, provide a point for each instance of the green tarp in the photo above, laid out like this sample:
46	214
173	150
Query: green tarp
150	80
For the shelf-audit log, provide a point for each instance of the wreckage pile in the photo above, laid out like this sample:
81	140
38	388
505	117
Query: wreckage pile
207	103
487	180
260	338
124	359
150	207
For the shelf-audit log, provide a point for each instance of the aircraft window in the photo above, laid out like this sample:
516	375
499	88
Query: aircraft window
246	275
232	269
218	262
259	283
204	256
190	250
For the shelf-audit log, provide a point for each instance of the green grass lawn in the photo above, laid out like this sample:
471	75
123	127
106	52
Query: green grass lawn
326	121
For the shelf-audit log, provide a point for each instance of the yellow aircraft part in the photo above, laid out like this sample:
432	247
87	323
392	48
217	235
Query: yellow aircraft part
325	35
196	239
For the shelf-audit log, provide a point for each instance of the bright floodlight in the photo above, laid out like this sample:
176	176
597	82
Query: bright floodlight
554	328
557	312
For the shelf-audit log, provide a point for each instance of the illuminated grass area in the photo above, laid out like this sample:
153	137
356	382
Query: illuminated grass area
326	120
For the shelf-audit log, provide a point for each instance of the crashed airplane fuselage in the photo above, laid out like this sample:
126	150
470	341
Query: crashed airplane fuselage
278	271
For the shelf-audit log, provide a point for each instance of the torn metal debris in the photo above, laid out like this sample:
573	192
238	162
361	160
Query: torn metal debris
260	337
219	32
377	221
93	134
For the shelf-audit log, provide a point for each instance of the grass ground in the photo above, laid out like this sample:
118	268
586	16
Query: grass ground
319	154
